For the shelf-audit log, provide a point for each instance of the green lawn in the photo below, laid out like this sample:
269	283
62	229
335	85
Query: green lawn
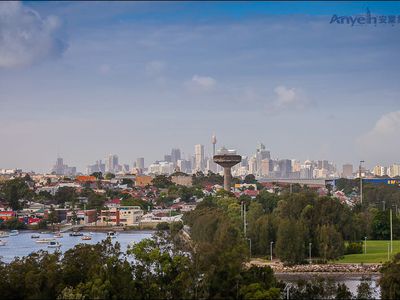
377	252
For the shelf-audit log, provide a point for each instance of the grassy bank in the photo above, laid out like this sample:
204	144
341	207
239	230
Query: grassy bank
377	252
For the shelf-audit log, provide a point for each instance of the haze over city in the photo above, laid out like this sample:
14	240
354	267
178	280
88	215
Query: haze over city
171	74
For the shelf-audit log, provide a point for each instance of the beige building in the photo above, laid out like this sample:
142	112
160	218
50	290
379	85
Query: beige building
123	215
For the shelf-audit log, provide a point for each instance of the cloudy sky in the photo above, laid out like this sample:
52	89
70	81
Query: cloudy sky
86	79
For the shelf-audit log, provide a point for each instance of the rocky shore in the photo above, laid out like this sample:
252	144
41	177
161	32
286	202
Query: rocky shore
278	267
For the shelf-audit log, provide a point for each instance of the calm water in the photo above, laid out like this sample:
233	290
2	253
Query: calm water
22	244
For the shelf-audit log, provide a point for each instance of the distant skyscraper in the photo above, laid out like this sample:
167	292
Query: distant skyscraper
140	163
347	171
167	158
199	157
112	163
175	155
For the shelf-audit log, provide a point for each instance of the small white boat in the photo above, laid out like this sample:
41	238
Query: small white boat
44	232
44	241
58	235
86	238
35	236
54	244
112	234
4	234
14	232
3	243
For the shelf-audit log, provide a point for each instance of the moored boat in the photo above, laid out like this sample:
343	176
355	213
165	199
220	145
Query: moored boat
112	234
4	234
35	236
76	233
3	243
54	244
44	241
14	232
86	238
58	235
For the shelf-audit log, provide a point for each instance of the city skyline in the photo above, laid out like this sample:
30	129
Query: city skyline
171	74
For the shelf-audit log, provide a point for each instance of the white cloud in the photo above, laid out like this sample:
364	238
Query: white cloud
287	99
26	37
203	82
381	143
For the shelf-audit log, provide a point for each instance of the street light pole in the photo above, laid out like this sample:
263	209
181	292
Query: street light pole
391	231
388	252
365	245
361	191
270	249
250	246
309	251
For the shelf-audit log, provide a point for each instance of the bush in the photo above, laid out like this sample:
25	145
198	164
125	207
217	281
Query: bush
162	226
12	224
354	248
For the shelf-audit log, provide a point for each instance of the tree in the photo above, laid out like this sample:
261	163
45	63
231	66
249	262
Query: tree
330	242
98	175
250	178
390	280
65	194
52	217
291	239
109	176
162	181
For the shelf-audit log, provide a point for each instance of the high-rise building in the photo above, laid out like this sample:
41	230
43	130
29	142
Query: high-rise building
175	155
347	171
379	171
199	157
167	158
112	163
60	169
140	163
265	167
285	167
394	170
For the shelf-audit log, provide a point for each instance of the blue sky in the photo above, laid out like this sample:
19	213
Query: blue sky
85	79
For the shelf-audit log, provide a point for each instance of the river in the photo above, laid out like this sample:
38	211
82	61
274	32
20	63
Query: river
22	244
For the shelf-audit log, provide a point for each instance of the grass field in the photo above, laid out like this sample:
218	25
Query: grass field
377	252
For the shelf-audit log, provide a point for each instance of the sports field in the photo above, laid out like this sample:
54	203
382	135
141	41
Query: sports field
377	252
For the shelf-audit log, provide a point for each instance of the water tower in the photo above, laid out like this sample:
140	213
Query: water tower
227	159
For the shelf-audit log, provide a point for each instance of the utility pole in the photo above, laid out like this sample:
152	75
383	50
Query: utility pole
244	220
365	245
391	231
388	252
309	251
270	249
250	246
361	191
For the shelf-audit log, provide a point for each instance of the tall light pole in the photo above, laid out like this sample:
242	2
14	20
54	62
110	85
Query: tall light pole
309	251
391	231
388	252
361	191
365	245
250	246
270	249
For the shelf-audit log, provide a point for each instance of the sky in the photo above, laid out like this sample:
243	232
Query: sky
83	80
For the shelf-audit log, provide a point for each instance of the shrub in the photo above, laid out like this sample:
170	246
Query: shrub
354	248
